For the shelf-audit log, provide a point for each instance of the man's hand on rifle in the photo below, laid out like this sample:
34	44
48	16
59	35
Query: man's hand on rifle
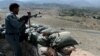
25	18
29	14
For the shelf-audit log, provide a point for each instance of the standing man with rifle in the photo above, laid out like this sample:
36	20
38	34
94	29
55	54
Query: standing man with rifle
13	28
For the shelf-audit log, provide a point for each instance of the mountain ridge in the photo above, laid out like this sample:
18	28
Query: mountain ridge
76	3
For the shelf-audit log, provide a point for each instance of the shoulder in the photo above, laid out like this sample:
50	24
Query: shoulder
9	16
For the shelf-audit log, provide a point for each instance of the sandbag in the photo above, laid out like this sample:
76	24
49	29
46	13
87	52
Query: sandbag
33	38
41	29
36	25
49	30
30	30
42	40
62	39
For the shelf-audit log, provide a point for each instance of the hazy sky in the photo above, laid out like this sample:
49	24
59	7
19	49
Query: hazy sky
71	2
80	2
59	0
97	2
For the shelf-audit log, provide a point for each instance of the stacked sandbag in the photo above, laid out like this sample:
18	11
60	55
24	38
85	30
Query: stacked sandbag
40	29
36	25
34	32
62	39
43	38
40	34
37	28
33	38
56	38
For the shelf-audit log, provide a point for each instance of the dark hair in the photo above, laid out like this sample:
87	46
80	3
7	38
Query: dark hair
12	6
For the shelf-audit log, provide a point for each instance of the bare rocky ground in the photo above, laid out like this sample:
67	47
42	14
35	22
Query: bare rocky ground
85	31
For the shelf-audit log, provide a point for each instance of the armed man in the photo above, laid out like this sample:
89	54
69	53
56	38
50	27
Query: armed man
14	26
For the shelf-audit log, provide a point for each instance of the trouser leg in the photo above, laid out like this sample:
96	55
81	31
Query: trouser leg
14	42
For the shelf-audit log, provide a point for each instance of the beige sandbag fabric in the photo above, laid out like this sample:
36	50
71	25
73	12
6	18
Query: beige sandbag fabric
80	52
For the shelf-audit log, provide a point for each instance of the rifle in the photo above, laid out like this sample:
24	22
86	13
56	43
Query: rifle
30	16
35	50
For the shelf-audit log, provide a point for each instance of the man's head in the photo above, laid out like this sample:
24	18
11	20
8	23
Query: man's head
14	7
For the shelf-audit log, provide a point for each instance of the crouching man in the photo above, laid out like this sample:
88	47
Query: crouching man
13	26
